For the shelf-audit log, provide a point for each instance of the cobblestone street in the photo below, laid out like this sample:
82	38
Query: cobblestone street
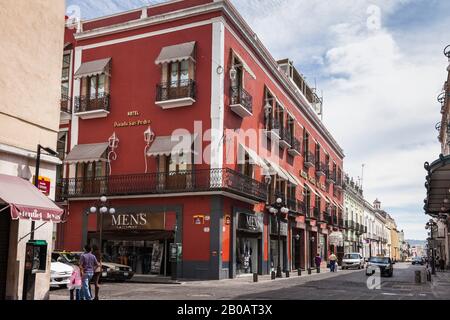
348	285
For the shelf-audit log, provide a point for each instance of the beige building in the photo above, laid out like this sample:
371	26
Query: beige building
31	34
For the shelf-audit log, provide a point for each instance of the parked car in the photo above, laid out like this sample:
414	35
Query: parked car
418	260
110	270
384	264
353	260
60	273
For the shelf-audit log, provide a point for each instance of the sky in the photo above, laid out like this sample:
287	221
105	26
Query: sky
380	67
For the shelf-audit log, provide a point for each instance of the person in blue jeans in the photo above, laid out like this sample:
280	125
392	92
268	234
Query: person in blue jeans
88	264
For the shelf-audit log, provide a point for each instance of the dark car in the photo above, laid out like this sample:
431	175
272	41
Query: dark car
418	260
384	264
110	270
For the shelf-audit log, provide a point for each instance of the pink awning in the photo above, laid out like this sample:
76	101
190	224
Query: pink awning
26	201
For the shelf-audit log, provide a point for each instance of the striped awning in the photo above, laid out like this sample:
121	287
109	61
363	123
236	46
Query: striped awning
85	153
171	145
93	68
255	158
179	52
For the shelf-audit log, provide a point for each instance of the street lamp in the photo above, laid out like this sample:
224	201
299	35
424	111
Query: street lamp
430	225
280	211
102	207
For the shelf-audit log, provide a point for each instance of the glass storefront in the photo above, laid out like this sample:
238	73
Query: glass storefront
247	255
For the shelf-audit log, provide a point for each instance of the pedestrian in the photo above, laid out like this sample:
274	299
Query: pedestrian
333	262
97	271
88	264
318	261
75	283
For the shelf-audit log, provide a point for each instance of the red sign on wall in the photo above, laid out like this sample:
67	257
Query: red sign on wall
44	185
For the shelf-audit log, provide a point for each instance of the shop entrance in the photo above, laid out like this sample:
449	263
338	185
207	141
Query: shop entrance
298	246
146	254
5	221
274	253
247	255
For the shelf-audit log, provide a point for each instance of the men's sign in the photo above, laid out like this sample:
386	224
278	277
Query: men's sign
134	221
250	222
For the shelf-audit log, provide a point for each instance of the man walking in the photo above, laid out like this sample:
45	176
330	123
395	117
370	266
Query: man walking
333	262
88	264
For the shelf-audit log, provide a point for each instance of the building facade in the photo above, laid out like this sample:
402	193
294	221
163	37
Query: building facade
29	116
370	236
354	215
437	203
179	115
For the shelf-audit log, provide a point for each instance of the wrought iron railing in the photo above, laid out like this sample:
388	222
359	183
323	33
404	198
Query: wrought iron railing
175	90
321	167
292	204
295	145
238	95
91	103
341	223
272	124
66	103
163	183
316	213
301	207
310	158
331	175
286	135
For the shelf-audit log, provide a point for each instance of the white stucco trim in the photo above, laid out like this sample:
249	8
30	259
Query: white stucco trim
28	154
217	94
75	93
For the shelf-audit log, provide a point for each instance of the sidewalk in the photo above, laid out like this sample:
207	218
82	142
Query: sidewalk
156	279
440	285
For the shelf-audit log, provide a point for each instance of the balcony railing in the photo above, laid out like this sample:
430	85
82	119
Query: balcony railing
295	149
316	213
66	103
292	204
331	176
350	224
164	183
241	98
285	137
320	169
92	103
175	90
310	159
341	223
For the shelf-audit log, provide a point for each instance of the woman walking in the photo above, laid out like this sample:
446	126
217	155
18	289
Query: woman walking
97	272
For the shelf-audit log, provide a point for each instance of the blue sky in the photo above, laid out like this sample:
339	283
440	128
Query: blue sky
380	66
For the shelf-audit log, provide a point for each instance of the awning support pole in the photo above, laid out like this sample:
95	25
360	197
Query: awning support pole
32	231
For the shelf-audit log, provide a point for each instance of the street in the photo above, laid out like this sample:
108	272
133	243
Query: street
343	285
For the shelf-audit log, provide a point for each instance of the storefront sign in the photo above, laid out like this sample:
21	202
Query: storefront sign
250	222
336	238
199	220
43	185
134	221
133	123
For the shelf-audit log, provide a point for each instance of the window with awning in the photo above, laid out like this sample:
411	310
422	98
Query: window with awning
85	153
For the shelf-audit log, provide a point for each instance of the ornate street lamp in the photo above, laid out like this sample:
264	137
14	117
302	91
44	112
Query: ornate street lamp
102	207
429	226
279	210
149	137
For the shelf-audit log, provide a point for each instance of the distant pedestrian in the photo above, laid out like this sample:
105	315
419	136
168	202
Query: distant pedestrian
318	261
88	264
75	283
97	271
333	262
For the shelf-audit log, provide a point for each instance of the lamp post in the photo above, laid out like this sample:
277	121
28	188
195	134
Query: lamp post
430	225
102	207
279	210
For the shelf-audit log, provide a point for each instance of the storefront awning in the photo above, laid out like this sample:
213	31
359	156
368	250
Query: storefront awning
93	68
438	186
26	201
256	159
179	52
87	153
171	145
312	189
274	169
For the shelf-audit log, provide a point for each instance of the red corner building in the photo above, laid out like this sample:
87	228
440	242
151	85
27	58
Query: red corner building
180	116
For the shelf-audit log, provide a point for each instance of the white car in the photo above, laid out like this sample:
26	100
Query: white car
60	274
353	260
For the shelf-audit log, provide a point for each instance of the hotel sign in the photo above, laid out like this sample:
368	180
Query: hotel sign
134	221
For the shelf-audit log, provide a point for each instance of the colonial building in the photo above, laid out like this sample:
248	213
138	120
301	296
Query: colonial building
179	115
370	236
437	203
29	116
354	215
